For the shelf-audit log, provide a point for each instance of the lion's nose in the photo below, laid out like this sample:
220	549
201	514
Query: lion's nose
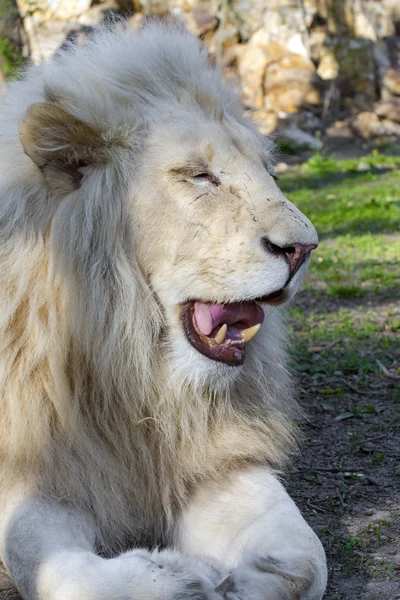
295	254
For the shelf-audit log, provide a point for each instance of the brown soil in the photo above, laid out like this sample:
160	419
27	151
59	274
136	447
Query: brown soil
347	482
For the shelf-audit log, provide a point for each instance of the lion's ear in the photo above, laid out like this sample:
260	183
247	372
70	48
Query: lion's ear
52	137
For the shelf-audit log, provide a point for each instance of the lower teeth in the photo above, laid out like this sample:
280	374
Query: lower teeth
235	342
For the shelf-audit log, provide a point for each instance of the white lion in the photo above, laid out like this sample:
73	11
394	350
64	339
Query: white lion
143	244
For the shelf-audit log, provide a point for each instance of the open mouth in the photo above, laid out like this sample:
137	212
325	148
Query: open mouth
221	331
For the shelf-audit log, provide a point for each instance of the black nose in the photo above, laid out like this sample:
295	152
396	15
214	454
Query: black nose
295	254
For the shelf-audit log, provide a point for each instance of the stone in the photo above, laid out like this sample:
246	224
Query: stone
318	39
391	82
267	70
223	39
363	167
46	37
368	126
202	19
328	67
356	69
367	19
340	129
389	109
281	19
290	82
382	60
296	45
44	10
252	62
267	121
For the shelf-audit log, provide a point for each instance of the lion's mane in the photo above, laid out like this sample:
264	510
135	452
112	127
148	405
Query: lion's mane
90	412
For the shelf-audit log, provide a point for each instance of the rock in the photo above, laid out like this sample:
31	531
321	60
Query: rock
389	109
281	168
382	60
292	49
391	82
45	10
295	44
328	67
202	19
224	38
267	121
275	78
362	167
308	121
48	26
252	63
367	19
280	19
356	69
290	82
368	126
390	128
284	19
340	129
299	137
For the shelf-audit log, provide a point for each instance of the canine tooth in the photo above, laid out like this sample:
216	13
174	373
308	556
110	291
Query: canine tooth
248	334
221	335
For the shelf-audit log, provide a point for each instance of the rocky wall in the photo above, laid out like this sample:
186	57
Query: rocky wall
304	66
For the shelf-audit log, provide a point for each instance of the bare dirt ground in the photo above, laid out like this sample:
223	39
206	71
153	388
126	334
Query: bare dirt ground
347	482
346	336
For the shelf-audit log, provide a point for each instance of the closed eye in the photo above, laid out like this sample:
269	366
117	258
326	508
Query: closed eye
275	177
197	174
205	177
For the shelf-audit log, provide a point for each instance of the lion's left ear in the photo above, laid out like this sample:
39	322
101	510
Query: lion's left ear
52	137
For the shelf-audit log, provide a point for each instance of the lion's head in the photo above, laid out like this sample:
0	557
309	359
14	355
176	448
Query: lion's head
215	240
235	245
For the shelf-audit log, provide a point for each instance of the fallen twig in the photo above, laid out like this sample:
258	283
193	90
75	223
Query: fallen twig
386	372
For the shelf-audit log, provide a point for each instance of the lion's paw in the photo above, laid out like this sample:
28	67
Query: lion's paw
195	579
158	575
266	578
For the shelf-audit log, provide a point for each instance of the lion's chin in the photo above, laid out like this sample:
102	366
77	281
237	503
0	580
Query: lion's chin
222	331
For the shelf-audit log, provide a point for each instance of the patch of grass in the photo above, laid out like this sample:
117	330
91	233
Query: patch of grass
10	60
322	165
360	551
286	147
357	216
341	326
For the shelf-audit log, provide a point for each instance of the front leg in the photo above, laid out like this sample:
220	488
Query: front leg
48	549
250	524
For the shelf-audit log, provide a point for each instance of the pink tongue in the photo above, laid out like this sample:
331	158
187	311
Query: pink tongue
208	316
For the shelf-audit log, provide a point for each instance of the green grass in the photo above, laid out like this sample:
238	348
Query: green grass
356	552
10	60
342	325
357	215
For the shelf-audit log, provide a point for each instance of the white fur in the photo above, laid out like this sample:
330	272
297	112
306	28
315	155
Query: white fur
116	435
252	526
